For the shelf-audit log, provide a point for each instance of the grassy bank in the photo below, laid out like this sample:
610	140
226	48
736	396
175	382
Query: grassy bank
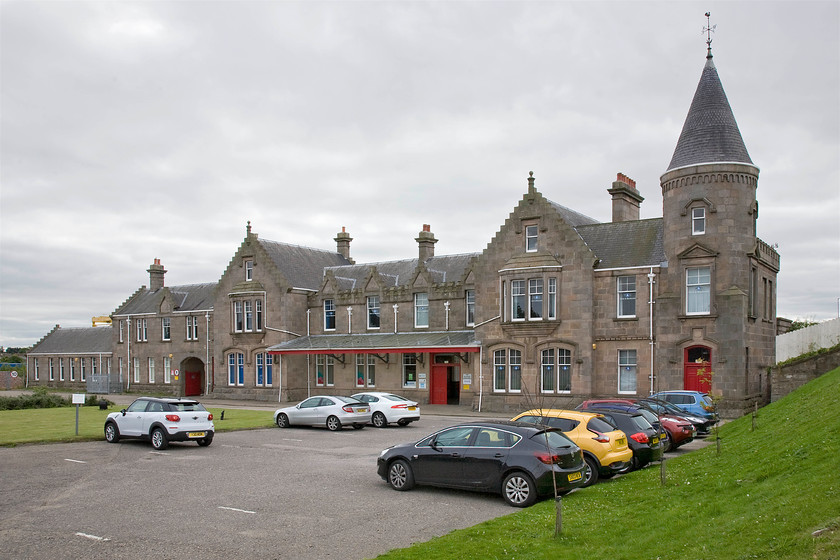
773	492
59	424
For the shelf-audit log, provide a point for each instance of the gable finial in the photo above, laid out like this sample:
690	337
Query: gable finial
708	30
248	229
531	182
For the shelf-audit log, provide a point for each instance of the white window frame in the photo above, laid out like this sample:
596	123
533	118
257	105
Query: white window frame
249	270
258	315
37	369
409	366
469	298
518	292
151	370
324	370
374	309
137	370
238	317
531	238
248	308
265	369
192	327
82	372
627	371
698	221
167	370
365	370
699	284
236	369
165	329
142	331
329	312
122	322
52	369
623	294
421	310
535	299
61	369
552	297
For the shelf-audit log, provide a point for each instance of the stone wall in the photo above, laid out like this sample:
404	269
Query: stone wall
789	377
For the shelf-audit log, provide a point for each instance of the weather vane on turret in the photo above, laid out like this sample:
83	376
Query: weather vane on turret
708	30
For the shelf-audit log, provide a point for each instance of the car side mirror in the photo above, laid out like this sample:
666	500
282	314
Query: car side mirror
434	445
123	412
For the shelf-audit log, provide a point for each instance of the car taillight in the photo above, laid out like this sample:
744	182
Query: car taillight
641	437
347	408
601	438
706	407
210	416
173	418
399	406
547	458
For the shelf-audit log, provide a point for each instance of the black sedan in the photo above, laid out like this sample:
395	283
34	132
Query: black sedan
642	437
520	461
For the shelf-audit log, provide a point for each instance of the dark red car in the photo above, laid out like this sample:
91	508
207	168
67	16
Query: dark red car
678	430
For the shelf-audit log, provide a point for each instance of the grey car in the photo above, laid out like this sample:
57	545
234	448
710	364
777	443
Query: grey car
331	411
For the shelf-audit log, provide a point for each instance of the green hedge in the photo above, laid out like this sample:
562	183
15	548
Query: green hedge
42	398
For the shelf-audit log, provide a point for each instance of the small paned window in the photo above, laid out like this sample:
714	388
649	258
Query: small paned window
518	300
698	221
626	296
535	299
470	305
409	372
552	298
698	290
329	315
167	369
324	370
165	328
258	315
249	315
421	310
236	369
373	312
265	366
151	370
627	371
531	238
249	270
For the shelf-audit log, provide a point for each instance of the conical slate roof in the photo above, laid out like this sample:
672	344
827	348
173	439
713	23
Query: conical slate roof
710	133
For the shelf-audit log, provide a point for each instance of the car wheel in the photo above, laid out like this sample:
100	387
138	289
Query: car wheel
358	426
379	420
112	433
204	442
159	440
400	476
590	474
282	421
667	443
518	490
333	423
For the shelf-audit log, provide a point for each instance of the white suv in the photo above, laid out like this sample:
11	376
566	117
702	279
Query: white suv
161	421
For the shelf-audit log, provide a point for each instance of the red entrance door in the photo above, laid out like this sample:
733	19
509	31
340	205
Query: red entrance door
192	383
697	372
438	385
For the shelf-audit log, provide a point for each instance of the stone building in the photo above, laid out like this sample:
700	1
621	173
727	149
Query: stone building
558	307
72	358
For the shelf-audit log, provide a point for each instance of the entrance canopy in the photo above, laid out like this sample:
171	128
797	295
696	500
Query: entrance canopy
378	343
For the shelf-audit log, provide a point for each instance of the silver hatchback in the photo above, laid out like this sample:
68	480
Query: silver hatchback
331	411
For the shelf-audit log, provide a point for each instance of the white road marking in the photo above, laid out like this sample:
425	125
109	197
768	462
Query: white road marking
75	461
236	509
159	452
92	537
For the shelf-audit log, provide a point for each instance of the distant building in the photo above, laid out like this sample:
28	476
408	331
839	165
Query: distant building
557	308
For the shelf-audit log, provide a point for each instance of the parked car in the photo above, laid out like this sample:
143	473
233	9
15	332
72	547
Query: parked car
695	402
388	407
641	435
519	460
702	425
331	411
605	448
673	430
161	421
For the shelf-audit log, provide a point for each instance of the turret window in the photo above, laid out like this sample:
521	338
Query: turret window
698	221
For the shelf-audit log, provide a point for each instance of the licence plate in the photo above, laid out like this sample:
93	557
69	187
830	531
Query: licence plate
361	410
196	434
621	441
655	440
575	476
412	408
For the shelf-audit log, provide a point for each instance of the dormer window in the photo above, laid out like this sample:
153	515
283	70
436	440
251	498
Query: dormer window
530	239
698	221
249	271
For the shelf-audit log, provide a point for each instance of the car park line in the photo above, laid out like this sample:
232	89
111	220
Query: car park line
236	509
92	537
76	461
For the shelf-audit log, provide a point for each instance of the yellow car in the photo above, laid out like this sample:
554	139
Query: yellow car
604	446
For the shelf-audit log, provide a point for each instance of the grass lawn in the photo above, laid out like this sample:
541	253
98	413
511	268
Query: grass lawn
764	496
59	424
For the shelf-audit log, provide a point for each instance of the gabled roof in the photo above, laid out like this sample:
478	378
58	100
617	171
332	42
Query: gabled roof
445	268
82	340
625	244
710	133
303	267
572	217
186	298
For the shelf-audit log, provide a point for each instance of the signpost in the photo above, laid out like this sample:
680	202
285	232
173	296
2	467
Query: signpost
78	400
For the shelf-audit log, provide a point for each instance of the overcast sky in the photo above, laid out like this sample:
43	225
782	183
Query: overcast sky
141	130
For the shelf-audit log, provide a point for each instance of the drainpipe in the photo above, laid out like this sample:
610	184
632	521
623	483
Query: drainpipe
349	317
396	310
308	326
651	282
446	307
480	375
207	355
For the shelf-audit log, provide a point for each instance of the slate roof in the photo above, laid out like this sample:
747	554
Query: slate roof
445	268
379	342
625	244
303	267
572	217
710	133
83	340
186	298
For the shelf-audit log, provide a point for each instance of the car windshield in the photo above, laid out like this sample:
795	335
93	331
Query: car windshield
348	400
395	397
601	425
186	406
555	438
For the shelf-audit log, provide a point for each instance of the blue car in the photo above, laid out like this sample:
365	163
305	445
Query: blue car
694	402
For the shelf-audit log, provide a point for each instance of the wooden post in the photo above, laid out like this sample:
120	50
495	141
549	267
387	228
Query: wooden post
558	516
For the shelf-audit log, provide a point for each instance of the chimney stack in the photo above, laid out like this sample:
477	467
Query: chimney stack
625	199
426	241
342	241
156	273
